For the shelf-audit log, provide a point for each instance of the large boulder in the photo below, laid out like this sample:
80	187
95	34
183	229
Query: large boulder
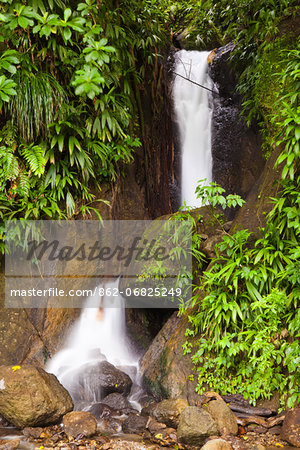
93	381
29	396
79	422
223	416
195	426
291	427
168	411
105	378
166	370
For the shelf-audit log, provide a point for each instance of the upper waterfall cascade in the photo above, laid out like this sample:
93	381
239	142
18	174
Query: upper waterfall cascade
193	109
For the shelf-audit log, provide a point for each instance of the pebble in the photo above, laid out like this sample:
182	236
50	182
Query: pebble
10	445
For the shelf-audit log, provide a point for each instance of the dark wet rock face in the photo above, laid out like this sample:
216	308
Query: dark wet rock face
144	324
221	71
236	148
109	378
95	381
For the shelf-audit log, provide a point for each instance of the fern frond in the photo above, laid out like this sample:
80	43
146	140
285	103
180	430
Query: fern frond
24	184
34	155
9	163
12	166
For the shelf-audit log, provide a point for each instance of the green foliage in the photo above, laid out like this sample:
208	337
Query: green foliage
213	195
88	82
6	89
8	61
211	23
34	156
246	315
38	97
287	117
69	78
246	311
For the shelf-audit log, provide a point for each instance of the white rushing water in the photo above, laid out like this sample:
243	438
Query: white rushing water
193	109
99	334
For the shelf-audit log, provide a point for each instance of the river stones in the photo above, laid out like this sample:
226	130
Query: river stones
29	396
109	426
33	432
12	444
217	444
116	401
168	411
291	427
135	424
195	425
79	422
154	426
100	410
223	416
120	444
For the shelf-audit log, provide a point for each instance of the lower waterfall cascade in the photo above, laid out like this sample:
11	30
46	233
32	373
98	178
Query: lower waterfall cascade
193	111
99	334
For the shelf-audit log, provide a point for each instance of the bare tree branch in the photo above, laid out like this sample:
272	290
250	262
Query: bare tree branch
197	84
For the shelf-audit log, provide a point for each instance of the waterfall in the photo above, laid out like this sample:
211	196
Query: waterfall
193	114
98	335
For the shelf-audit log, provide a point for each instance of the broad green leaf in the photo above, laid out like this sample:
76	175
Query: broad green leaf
67	14
67	33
